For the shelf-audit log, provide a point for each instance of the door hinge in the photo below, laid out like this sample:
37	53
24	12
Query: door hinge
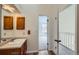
47	20
47	43
55	18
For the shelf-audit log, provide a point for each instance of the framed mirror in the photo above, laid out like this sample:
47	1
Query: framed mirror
20	23
8	23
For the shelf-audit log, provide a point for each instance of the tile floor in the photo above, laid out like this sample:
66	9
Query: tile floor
44	52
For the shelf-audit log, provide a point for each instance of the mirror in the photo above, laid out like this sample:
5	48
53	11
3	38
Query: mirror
8	22
20	23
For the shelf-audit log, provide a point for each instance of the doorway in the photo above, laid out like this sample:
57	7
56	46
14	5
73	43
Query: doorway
42	32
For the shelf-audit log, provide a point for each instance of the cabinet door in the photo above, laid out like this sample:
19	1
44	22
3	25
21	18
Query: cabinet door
24	47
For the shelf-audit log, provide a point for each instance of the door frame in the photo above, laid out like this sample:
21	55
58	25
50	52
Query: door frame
57	30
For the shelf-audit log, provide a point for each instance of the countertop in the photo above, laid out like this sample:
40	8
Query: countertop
17	43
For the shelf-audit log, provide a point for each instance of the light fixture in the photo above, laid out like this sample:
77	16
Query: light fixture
10	8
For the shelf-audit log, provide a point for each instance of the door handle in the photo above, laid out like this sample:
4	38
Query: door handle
58	41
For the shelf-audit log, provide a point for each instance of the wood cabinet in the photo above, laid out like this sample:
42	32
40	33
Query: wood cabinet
15	51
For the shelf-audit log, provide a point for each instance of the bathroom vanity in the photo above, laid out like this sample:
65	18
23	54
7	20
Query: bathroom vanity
14	47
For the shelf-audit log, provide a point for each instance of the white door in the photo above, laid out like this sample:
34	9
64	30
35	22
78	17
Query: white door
67	31
42	32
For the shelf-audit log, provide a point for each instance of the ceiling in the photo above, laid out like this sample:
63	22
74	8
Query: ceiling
41	7
52	6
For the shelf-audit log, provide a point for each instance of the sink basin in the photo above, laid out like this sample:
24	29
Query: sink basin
13	42
4	41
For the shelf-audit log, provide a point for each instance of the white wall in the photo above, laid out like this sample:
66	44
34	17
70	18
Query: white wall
0	21
67	20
